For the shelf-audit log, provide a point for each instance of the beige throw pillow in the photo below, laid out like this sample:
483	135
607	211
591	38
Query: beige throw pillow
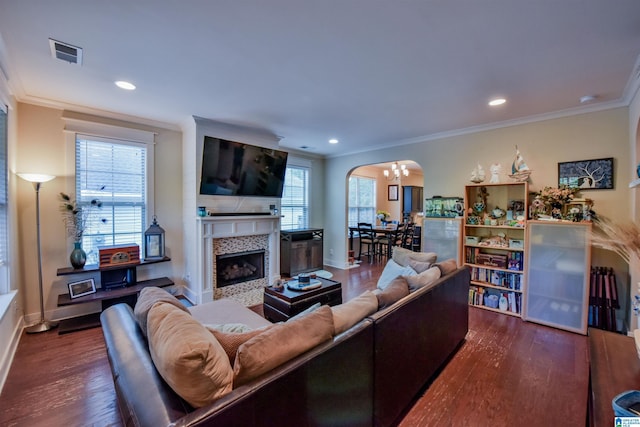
280	343
231	341
397	289
447	266
347	314
147	298
403	256
423	279
187	356
419	266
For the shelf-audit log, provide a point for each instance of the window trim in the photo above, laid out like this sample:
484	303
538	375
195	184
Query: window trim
374	196
117	134
5	267
74	127
307	200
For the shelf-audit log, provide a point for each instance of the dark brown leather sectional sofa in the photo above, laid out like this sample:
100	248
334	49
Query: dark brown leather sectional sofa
368	375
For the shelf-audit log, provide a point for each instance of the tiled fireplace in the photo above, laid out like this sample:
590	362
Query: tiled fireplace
238	256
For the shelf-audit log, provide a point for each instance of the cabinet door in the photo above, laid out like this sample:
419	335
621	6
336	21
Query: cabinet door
315	255
299	261
442	236
411	199
559	259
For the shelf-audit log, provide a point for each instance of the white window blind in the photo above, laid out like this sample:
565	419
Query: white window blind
295	199
4	238
362	200
114	172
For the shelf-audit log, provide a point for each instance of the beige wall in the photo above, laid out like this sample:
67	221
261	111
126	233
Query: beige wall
447	163
42	148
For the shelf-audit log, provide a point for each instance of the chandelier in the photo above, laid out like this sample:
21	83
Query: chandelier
396	171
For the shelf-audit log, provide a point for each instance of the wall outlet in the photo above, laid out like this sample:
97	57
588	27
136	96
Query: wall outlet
330	251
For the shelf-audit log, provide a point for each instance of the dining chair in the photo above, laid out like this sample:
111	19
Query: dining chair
387	241
407	236
367	237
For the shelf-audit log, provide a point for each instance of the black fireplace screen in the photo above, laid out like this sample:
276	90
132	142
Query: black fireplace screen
239	267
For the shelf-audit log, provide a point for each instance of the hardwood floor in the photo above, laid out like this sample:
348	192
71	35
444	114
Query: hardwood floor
507	372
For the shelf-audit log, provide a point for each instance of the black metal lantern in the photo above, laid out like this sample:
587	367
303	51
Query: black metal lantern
154	241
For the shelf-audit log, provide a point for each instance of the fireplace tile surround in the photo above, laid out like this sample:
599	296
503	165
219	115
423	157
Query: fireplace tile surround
231	234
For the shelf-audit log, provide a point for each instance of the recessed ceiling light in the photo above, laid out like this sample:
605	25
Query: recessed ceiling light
333	141
125	85
497	101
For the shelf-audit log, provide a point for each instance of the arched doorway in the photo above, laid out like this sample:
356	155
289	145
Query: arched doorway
372	191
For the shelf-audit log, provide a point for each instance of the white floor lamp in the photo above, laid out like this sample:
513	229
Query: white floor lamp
37	180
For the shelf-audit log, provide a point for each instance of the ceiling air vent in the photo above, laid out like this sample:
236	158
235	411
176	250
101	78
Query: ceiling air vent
66	52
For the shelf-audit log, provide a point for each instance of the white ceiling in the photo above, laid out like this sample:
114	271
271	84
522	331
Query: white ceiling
371	73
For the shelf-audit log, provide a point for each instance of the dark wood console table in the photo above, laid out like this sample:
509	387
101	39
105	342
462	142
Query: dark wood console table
108	297
614	368
301	251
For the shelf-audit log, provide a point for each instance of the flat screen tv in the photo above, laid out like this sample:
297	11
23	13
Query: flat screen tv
232	168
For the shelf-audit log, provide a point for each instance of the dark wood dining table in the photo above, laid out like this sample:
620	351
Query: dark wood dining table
378	229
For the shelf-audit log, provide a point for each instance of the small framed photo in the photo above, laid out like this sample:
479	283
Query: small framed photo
82	288
596	174
392	192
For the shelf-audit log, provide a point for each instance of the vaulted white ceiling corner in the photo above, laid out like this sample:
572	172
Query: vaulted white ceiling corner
370	73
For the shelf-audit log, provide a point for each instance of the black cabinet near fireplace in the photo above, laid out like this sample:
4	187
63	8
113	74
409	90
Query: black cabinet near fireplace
301	251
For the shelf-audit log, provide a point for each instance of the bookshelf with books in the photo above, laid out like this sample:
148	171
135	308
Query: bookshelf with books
494	245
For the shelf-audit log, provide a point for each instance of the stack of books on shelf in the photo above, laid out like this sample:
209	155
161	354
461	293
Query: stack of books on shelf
481	296
497	278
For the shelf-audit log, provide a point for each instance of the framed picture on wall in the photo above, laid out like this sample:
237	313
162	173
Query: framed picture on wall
596	174
392	192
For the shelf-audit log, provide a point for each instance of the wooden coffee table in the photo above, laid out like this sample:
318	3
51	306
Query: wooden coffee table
281	305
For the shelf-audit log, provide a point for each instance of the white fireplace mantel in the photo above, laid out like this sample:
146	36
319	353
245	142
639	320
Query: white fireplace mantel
201	290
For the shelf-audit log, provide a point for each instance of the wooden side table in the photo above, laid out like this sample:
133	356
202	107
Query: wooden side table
279	306
614	367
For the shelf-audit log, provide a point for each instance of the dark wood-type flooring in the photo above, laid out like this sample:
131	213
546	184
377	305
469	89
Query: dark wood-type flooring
507	372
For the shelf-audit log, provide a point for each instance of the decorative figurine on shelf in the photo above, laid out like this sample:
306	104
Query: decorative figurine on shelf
498	213
520	172
495	169
477	174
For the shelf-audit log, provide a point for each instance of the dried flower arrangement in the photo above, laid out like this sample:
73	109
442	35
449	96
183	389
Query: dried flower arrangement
75	216
623	238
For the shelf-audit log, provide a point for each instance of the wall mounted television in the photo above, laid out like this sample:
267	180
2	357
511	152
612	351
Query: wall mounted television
231	168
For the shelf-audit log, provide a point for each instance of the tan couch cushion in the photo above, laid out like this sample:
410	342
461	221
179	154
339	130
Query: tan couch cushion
281	342
147	298
226	310
447	266
187	356
397	289
351	312
423	279
402	256
230	341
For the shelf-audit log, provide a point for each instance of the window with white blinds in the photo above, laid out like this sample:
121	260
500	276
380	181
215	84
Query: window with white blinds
4	217
362	200
114	172
295	199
